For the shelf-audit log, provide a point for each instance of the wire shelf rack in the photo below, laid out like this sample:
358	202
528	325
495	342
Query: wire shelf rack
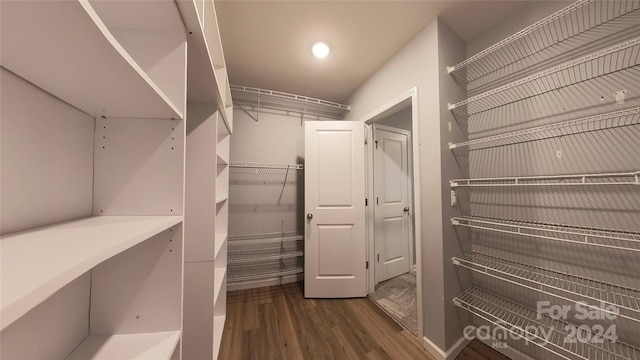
246	173
525	322
270	99
549	281
275	269
628	178
605	238
264	238
264	252
609	120
616	58
579	17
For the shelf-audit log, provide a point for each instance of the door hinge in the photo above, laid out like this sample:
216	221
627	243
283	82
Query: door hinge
378	257
365	141
367	265
366	202
376	142
377	202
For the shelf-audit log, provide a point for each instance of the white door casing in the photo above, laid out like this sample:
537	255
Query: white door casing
335	244
392	203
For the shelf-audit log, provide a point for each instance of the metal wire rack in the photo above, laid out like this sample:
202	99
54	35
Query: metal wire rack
247	173
261	98
264	252
275	269
265	238
564	24
619	57
549	282
609	120
629	178
613	239
527	323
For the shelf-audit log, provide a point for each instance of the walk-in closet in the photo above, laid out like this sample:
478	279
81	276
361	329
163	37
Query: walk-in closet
217	179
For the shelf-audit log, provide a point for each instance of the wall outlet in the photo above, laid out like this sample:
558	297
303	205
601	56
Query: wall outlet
454	198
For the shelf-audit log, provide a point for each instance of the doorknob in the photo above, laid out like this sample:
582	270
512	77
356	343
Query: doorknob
406	209
309	216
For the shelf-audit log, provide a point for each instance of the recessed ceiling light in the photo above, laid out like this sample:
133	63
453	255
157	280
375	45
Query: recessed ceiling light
320	50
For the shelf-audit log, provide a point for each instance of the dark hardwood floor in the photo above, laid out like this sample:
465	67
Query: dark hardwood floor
277	322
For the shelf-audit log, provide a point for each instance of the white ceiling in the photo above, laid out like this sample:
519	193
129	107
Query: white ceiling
267	43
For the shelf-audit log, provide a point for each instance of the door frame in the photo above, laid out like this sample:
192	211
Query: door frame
409	97
408	134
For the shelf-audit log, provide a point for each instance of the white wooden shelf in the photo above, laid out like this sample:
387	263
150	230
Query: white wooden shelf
218	281
218	330
525	322
269	99
555	283
38	262
579	17
72	54
610	120
630	178
145	346
616	58
219	243
605	238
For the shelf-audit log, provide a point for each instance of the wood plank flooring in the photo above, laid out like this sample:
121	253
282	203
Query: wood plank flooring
277	322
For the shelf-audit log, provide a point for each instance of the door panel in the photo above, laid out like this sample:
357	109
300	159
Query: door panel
391	188
335	262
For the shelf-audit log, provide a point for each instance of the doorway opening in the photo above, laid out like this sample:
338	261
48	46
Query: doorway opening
393	225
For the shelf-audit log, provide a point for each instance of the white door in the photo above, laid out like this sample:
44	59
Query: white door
391	189
335	256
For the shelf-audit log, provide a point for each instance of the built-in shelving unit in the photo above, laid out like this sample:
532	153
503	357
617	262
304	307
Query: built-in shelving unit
92	179
556	283
208	142
527	323
49	258
578	60
270	99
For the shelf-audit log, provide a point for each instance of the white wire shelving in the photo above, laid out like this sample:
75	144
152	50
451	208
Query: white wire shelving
261	98
263	271
627	178
543	331
264	238
264	252
577	18
248	173
604	238
616	58
609	120
551	282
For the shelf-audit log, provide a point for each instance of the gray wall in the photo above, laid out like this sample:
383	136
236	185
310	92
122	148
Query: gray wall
422	64
400	119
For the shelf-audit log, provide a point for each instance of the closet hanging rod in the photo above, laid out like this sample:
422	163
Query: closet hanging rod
256	165
576	126
605	238
528	323
619	57
630	178
281	100
547	281
577	18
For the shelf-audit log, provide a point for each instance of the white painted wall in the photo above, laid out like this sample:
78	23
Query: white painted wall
420	65
46	155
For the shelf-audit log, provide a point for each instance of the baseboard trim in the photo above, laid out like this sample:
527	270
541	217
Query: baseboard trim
450	354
